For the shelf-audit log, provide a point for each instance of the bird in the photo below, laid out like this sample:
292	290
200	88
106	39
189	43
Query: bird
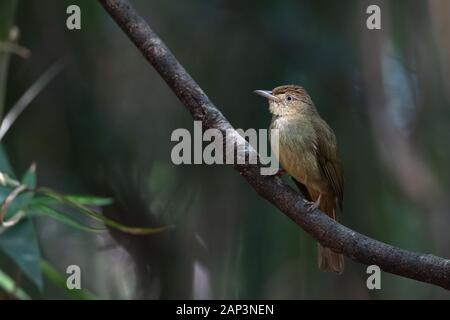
308	153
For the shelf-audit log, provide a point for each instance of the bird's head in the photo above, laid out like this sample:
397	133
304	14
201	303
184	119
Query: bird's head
288	100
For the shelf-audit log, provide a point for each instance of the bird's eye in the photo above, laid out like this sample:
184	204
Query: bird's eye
288	98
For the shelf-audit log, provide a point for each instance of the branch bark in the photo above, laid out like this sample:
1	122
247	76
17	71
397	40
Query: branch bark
360	248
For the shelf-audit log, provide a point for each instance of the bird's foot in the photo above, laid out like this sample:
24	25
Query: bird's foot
313	205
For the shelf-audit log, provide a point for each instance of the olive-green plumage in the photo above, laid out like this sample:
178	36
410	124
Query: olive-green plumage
308	153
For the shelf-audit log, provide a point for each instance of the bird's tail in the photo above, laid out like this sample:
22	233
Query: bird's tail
328	260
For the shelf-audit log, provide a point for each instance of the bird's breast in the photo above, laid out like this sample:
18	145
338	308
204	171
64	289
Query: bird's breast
297	154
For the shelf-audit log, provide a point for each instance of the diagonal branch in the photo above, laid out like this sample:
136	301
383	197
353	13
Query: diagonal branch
360	248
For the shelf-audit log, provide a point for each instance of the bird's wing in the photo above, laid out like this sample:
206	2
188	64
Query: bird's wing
328	161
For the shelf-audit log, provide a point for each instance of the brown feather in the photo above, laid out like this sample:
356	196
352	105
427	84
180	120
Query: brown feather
308	152
328	260
328	161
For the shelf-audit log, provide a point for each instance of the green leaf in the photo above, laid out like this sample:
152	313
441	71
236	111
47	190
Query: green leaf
99	217
9	286
29	178
62	217
80	199
90	201
60	281
5	167
20	244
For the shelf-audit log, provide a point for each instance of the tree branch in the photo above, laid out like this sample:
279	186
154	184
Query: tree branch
360	248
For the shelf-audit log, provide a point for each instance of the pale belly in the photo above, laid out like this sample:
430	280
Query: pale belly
298	158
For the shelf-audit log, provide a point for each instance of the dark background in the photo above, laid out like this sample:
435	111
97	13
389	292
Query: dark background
103	127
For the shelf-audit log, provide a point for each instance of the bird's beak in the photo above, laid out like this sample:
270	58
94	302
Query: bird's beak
267	94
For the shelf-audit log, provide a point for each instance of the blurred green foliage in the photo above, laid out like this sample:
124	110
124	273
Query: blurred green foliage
104	128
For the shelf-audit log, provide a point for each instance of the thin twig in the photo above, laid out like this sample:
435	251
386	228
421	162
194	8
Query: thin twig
16	49
5	206
29	96
360	248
